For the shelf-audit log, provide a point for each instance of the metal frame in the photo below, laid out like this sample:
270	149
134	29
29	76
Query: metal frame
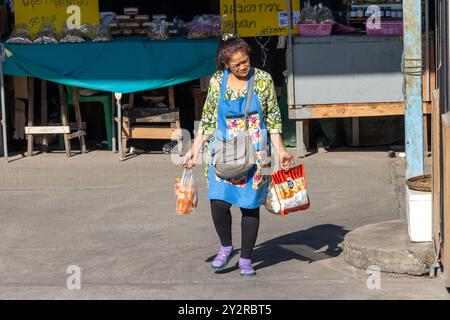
3	103
441	238
118	121
412	67
427	56
289	58
301	148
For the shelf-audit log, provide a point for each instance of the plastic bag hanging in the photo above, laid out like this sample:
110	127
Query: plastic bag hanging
324	14
186	193
308	14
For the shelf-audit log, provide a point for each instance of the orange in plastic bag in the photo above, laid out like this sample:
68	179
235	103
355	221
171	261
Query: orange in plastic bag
186	193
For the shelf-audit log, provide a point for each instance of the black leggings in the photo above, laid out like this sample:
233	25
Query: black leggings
221	215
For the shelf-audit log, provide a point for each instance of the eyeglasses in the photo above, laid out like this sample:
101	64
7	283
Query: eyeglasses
243	63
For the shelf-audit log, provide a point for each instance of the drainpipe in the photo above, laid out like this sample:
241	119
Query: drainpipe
412	69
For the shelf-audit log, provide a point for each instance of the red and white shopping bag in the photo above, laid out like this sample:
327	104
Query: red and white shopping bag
287	191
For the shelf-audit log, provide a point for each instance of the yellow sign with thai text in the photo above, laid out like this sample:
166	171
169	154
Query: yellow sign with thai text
72	13
259	17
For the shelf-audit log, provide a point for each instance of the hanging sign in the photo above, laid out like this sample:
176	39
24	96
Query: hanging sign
71	13
259	17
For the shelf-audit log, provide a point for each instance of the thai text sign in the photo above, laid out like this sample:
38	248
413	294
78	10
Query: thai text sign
72	13
259	17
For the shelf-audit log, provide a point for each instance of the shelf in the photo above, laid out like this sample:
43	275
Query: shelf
382	18
392	5
382	5
374	3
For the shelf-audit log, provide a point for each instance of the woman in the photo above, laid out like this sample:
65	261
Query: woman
223	115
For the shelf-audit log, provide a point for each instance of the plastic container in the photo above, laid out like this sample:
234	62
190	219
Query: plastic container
315	29
419	215
387	28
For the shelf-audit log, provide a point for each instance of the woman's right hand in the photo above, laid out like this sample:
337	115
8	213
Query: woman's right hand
189	161
194	151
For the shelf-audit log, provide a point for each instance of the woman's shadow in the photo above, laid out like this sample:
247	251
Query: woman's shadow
314	244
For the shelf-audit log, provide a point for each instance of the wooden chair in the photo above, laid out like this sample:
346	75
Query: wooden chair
151	123
107	102
44	129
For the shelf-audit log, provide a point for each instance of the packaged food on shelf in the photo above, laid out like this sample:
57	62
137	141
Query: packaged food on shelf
159	28
20	35
102	34
127	32
320	14
123	18
131	11
308	14
324	15
317	20
387	13
146	25
114	26
72	35
142	18
130	25
141	32
46	34
204	26
177	27
117	32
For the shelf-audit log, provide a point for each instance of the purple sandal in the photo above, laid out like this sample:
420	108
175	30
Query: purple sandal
222	258
246	268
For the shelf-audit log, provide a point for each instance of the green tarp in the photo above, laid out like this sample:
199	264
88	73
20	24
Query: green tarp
123	65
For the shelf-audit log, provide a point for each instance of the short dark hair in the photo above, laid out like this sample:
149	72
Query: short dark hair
229	47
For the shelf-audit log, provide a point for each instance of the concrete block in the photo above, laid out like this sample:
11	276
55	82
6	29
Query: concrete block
387	245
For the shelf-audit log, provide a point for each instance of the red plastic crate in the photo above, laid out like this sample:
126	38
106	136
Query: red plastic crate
387	28
315	29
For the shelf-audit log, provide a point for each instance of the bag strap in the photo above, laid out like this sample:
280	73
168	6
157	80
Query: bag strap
249	97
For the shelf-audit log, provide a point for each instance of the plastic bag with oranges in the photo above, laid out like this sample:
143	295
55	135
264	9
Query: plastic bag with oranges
186	193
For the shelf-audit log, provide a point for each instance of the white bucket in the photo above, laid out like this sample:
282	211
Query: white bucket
419	213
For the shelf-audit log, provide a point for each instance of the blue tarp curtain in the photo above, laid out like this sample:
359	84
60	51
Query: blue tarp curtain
123	65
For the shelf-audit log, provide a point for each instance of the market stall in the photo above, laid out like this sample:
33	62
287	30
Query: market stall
360	63
135	59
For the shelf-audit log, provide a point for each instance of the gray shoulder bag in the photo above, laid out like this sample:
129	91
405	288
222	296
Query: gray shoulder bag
234	158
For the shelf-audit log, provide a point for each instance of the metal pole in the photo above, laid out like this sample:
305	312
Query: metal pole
446	54
114	132
301	148
427	56
118	96
412	69
2	102
289	58
235	18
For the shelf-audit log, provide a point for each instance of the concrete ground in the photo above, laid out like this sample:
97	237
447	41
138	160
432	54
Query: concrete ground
116	221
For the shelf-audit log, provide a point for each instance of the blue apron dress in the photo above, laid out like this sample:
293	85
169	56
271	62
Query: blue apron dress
250	190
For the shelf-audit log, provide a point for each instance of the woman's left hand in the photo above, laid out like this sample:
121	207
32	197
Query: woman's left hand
286	160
